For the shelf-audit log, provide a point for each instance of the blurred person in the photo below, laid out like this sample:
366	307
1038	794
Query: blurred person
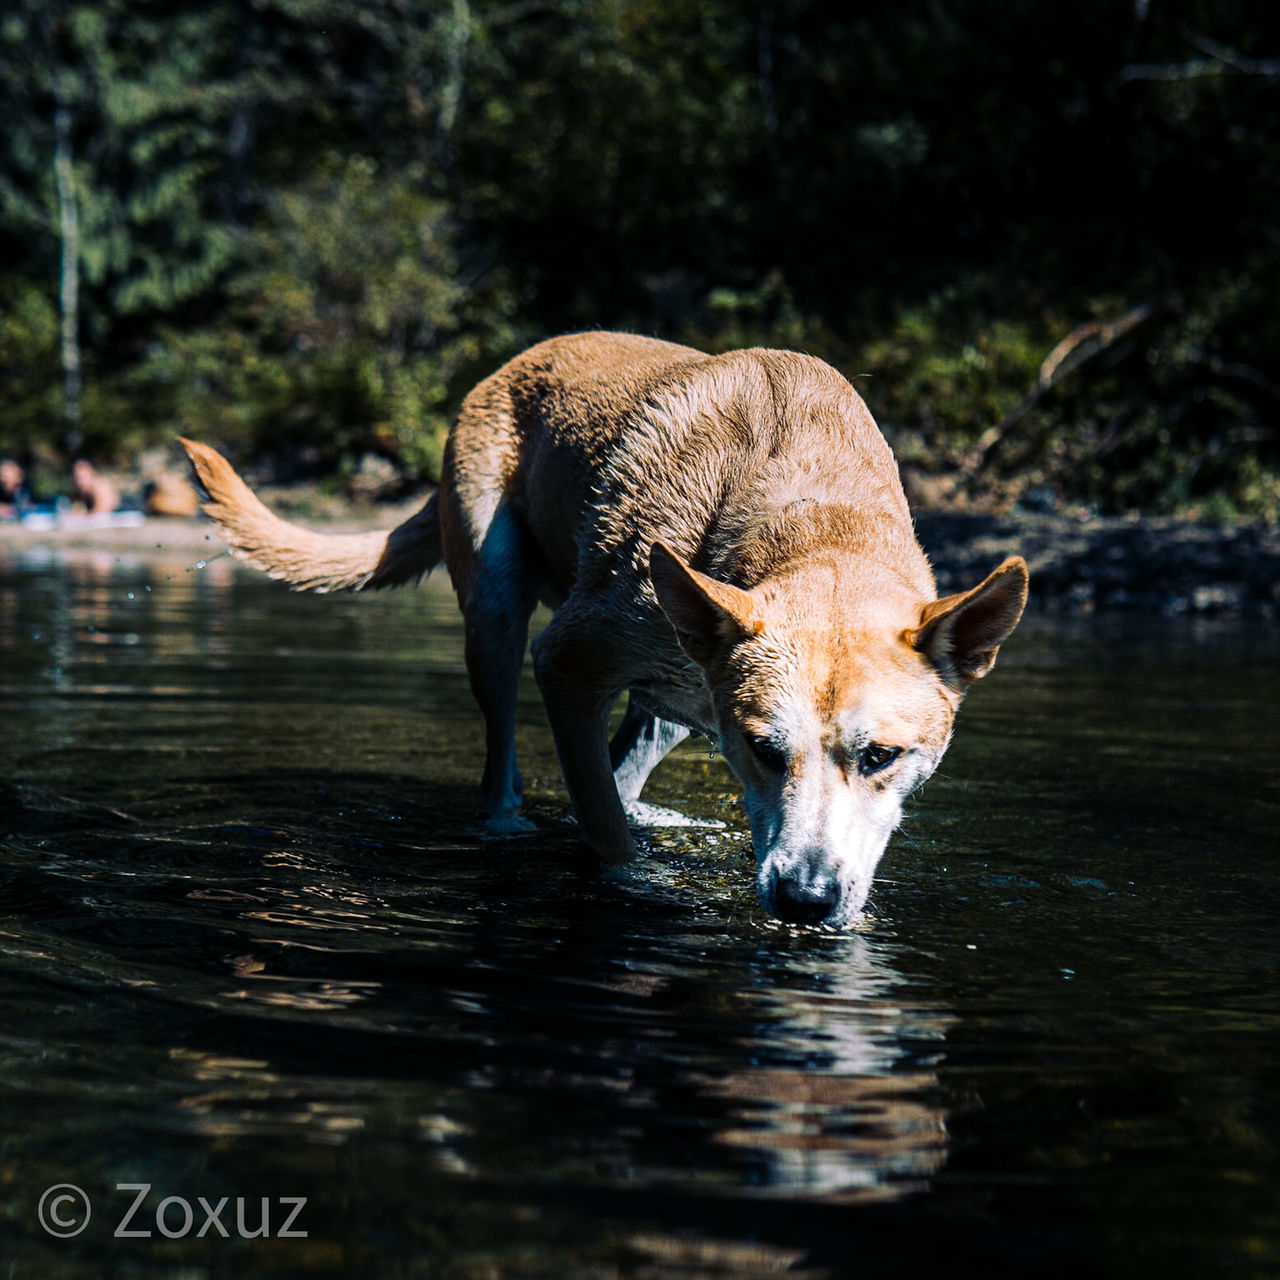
169	494
90	491
15	499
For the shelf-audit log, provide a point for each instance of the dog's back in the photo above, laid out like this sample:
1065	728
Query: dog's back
603	443
608	442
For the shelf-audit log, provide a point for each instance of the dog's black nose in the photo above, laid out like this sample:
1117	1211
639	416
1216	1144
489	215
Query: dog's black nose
805	903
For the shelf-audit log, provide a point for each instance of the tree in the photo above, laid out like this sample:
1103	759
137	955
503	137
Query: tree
352	327
935	195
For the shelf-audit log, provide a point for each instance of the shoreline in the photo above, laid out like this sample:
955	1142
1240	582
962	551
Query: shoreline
1079	564
1083	564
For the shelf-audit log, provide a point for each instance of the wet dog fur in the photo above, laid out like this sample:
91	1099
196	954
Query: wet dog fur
723	538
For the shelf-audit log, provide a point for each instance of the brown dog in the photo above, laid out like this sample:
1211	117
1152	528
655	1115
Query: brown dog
726	539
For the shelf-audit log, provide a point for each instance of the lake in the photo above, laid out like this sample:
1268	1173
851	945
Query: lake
274	1006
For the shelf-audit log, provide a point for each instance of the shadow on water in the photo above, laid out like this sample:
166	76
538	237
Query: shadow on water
253	944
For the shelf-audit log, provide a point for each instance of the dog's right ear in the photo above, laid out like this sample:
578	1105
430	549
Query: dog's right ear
708	616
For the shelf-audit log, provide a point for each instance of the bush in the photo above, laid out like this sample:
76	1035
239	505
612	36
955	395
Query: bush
29	368
350	329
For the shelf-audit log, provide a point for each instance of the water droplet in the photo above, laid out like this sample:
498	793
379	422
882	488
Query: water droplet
200	564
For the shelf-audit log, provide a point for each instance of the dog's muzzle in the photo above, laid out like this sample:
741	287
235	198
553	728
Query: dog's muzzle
799	898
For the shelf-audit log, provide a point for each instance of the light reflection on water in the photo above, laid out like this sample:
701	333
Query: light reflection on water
252	941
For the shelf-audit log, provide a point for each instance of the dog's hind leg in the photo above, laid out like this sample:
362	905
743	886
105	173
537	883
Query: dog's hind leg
498	601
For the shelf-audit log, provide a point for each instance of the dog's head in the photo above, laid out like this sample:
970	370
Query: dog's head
829	714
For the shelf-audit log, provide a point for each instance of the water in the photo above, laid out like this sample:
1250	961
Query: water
252	945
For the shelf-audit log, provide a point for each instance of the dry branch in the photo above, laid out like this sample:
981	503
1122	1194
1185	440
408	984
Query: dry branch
1082	344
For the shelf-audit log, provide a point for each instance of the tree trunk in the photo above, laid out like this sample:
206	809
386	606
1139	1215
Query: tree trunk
455	51
69	290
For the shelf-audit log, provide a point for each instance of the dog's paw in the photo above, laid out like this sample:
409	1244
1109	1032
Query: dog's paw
640	814
508	824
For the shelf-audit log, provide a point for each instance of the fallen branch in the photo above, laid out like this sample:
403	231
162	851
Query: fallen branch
1242	372
1221	60
1082	344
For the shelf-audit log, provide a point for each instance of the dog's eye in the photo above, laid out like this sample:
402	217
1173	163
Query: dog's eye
875	757
767	752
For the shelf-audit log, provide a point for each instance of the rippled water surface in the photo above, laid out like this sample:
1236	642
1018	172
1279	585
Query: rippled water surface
252	945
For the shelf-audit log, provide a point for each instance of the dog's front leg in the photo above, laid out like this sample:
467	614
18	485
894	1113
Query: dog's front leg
639	746
579	698
641	743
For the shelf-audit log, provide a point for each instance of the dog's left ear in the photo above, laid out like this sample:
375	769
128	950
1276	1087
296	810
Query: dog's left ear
708	616
962	634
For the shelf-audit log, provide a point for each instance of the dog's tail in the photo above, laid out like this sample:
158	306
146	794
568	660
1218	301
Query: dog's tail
313	561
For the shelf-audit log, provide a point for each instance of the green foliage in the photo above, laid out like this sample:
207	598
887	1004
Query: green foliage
949	369
147	146
28	363
763	316
307	227
350	327
1179	418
